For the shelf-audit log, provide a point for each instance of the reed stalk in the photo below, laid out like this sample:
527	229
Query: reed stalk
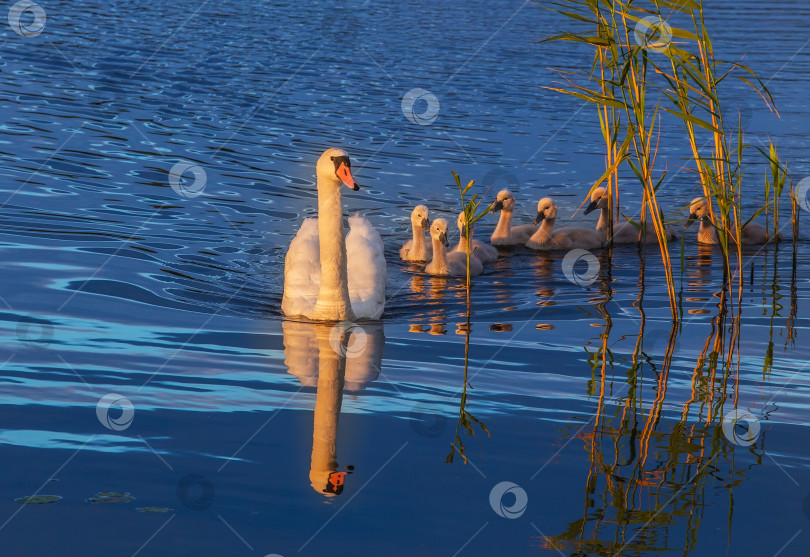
689	77
621	96
472	214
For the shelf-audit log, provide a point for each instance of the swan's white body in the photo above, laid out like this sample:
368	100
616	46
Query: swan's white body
623	232
753	234
453	263
481	251
416	249
547	238
329	276
505	234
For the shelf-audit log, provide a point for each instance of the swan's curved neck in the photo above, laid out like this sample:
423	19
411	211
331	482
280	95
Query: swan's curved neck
503	230
602	224
463	243
439	262
543	234
706	232
333	298
418	239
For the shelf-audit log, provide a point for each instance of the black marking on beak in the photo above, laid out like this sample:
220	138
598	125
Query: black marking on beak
591	207
692	218
341	160
443	239
540	216
344	159
425	223
497	206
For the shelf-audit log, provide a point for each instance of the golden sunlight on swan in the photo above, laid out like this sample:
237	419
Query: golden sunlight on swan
329	276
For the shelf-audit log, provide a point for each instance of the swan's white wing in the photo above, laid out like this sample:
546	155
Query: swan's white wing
629	234
457	262
754	233
672	233
626	233
302	271
571	238
522	232
367	269
652	238
485	252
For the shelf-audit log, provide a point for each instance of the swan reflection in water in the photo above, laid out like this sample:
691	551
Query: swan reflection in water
332	358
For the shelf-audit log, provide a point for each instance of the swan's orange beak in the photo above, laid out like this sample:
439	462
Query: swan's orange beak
345	174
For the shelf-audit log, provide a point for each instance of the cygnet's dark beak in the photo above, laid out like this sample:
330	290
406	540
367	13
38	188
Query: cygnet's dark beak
497	206
443	239
692	218
540	216
591	207
425	223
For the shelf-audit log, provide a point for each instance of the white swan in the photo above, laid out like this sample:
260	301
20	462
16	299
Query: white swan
546	238
484	253
752	233
505	234
454	263
623	232
329	276
416	249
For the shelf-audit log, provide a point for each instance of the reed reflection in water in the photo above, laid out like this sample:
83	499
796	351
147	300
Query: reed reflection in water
650	472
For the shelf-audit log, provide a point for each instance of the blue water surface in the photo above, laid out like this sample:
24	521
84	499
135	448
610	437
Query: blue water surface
228	420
